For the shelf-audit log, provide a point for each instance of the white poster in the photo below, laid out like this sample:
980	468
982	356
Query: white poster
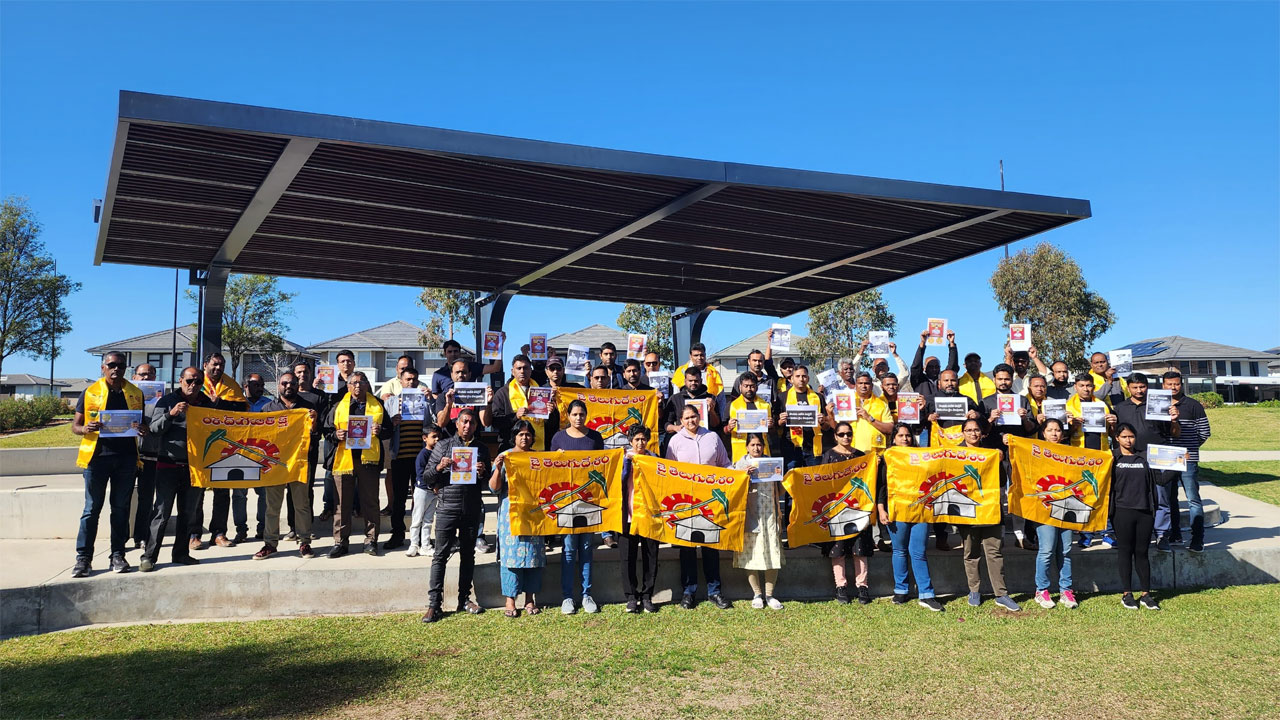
1020	337
1122	361
780	340
878	344
1159	402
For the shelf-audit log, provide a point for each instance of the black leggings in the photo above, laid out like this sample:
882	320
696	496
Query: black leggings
1133	539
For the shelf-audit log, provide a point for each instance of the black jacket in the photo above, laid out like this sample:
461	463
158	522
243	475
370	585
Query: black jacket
172	430
462	499
920	382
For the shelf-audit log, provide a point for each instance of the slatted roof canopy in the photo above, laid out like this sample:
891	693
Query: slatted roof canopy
195	183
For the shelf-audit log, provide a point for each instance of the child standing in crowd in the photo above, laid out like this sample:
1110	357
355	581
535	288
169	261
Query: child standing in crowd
1133	515
762	540
424	499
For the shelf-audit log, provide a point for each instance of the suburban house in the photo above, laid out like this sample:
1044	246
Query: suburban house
378	348
1236	373
732	361
157	349
73	388
24	386
1273	367
592	336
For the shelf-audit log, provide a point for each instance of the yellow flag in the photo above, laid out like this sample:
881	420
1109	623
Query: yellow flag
946	437
1059	485
689	504
831	502
958	485
611	412
565	492
247	449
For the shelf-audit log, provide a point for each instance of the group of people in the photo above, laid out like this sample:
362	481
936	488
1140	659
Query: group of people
448	518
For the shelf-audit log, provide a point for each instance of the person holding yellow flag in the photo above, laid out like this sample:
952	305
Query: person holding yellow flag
226	394
858	547
984	541
522	557
112	460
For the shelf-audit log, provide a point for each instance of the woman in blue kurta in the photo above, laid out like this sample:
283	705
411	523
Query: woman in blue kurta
521	557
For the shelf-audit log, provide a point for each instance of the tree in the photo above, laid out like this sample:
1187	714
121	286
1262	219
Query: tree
253	311
1045	287
446	309
837	328
32	313
654	321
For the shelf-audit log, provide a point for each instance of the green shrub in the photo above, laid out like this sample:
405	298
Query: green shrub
1209	399
34	413
1269	404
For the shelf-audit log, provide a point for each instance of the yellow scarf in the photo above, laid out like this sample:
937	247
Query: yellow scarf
95	399
797	433
710	378
228	389
342	464
738	443
865	435
984	386
516	395
946	437
1073	410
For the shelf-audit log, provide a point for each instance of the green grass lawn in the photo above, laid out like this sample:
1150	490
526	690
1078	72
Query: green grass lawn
48	436
1243	428
1210	653
1259	479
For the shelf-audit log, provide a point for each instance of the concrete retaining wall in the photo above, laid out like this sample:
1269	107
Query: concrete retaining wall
38	461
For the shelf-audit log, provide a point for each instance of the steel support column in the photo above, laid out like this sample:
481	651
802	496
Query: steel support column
490	312
686	330
211	320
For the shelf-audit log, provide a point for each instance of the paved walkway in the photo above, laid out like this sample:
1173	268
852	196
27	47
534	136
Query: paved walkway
1233	455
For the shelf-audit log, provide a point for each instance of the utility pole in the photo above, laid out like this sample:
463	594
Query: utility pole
173	352
53	327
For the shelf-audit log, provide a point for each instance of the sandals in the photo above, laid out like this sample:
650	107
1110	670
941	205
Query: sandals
531	609
511	612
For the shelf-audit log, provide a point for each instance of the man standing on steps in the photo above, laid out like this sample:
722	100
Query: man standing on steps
1059	386
112	461
173	474
147	472
288	398
356	470
1193	432
255	394
924	375
458	514
306	391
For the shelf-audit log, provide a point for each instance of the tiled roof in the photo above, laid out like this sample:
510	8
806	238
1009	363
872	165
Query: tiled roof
162	341
759	341
25	379
592	336
396	335
1176	347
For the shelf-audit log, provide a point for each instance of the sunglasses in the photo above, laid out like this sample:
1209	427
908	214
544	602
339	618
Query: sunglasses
190	381
844	434
116	365
288	384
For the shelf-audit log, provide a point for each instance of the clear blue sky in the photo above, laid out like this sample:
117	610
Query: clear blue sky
1164	116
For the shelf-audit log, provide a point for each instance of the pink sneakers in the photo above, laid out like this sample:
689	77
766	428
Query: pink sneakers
1042	597
1068	600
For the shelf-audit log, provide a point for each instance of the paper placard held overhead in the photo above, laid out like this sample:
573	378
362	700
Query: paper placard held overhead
637	345
1122	361
538	346
1020	337
780	339
937	331
492	345
878	344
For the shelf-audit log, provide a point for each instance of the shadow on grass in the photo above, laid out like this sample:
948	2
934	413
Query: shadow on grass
253	679
1258	485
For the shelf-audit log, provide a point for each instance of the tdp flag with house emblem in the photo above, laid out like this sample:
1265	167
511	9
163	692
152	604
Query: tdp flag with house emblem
565	492
958	485
831	502
688	504
612	412
242	449
1059	485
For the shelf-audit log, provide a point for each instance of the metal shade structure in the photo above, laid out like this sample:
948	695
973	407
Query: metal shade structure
244	189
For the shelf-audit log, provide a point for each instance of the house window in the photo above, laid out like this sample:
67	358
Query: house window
1185	368
364	358
1201	367
1253	369
1222	367
155	359
741	365
1235	367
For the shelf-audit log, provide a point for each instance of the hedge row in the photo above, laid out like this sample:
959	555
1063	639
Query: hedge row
34	413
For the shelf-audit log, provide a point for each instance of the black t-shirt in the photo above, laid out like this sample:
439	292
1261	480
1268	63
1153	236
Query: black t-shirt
112	447
1150	432
1132	483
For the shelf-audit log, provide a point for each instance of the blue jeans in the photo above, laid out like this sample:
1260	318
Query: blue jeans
578	550
119	471
909	541
922	439
689	570
1055	547
1191	486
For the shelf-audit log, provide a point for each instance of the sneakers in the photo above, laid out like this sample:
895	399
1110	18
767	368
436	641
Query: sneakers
1007	603
1108	541
266	552
1068	600
647	603
292	536
1196	547
1042	597
304	550
842	594
757	602
719	601
1162	544
412	551
119	564
975	599
1148	602
773	603
482	546
1085	540
931	604
687	602
864	595
1177	540
633	607
81	568
1128	602
900	598
567	608
145	565
589	605
431	548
